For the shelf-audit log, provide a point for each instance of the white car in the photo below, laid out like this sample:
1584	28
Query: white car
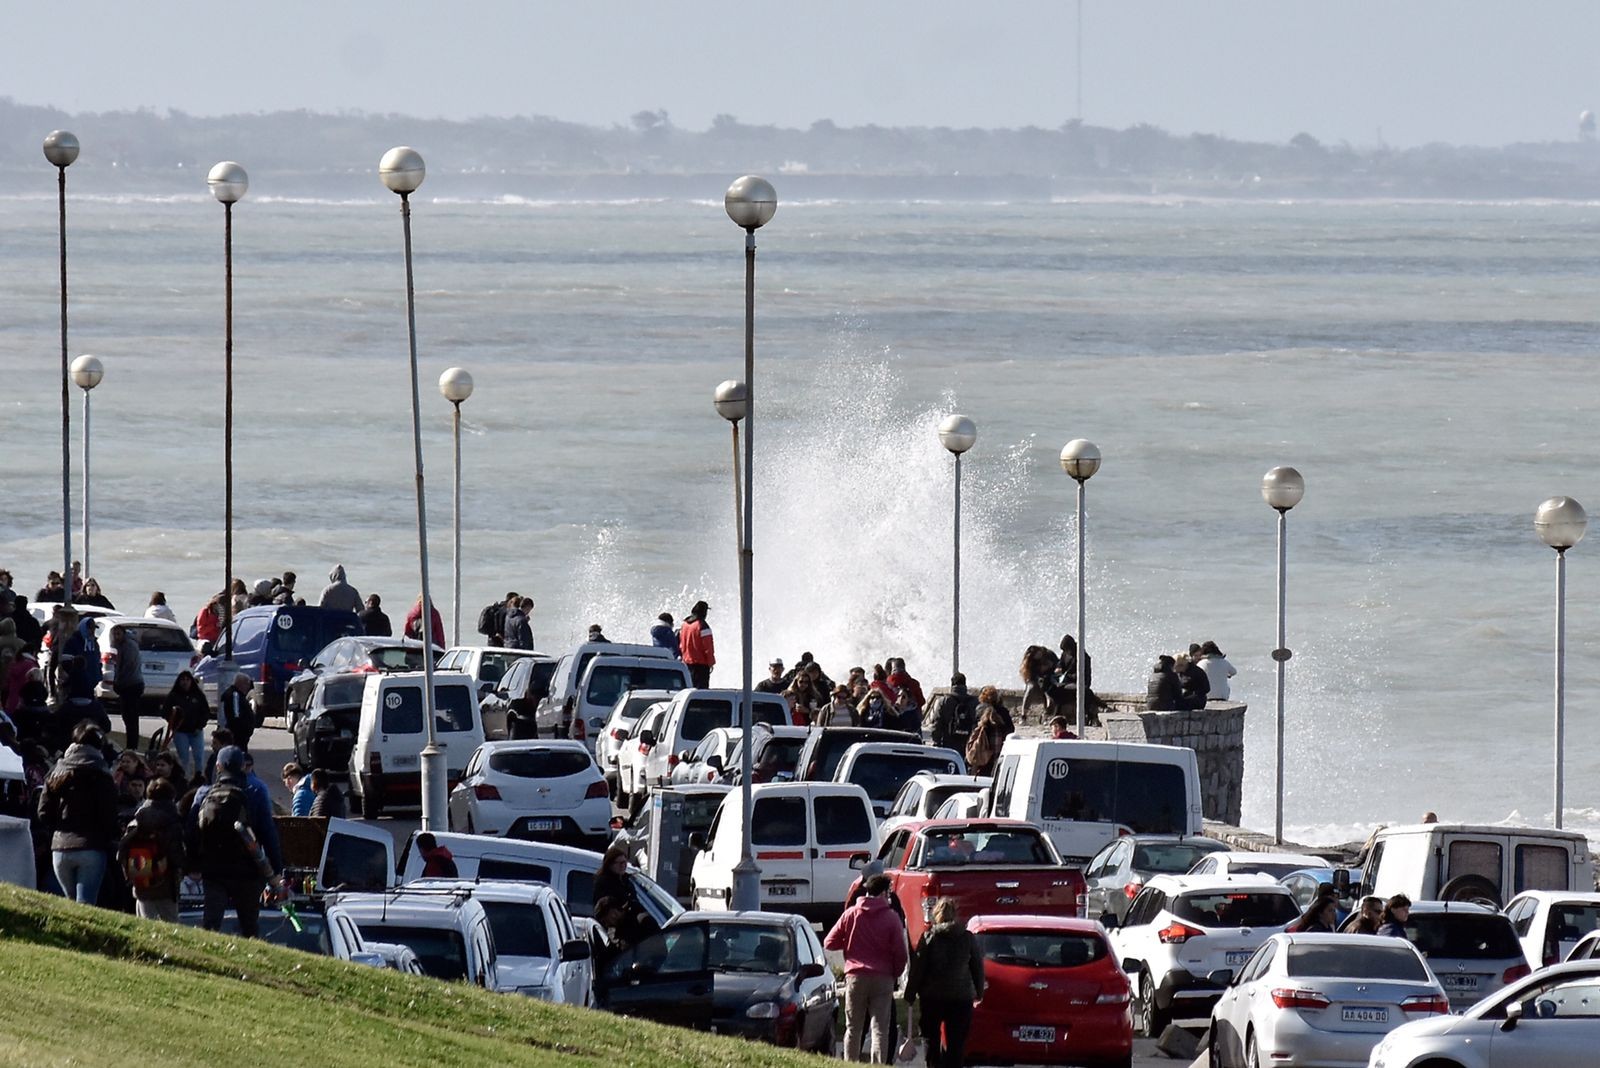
1183	929
1470	948
632	758
705	763
165	651
922	795
545	790
1320	999
881	768
487	664
448	930
1243	862
539	951
618	729
1547	1020
1551	923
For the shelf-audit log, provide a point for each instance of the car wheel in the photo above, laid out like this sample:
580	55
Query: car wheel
1148	1020
828	1045
1473	888
1214	1058
1252	1056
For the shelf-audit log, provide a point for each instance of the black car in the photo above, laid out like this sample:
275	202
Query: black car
825	748
358	653
755	974
325	729
521	689
1117	873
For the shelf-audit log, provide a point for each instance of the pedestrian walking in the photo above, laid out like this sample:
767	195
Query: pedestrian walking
339	594
947	975
952	716
152	854
187	713
128	681
373	619
994	724
78	806
873	941
696	645
233	841
1218	671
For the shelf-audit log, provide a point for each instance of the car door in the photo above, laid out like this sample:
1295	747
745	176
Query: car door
782	838
356	856
1560	1026
665	977
577	976
842	830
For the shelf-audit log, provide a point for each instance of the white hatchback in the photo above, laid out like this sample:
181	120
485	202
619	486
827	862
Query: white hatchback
549	791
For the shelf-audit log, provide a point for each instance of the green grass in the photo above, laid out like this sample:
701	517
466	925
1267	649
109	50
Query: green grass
90	987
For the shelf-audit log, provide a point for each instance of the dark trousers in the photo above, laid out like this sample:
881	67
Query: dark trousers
245	897
130	696
700	675
946	1050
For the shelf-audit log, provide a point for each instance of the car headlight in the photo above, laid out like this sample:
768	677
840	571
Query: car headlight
763	1010
1380	1054
540	992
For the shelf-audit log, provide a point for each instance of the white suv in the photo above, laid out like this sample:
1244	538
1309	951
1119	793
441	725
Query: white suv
545	791
1181	929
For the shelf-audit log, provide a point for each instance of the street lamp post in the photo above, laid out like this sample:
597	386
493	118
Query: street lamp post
750	203
456	385
61	148
87	371
958	434
228	183
402	171
1282	488
1561	523
729	400
1080	459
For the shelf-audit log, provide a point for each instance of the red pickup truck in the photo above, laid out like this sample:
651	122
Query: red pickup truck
991	867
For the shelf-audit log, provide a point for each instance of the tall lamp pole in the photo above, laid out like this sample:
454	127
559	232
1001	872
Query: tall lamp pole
1080	459
402	171
1561	523
87	371
750	203
456	386
958	434
61	148
1282	488
228	183
730	402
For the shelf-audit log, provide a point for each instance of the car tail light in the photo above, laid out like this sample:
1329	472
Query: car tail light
711	776
1435	1003
266	673
1132	889
375	764
1116	995
596	789
1081	904
485	792
1178	933
619	734
368	668
930	889
1515	972
1297	998
291	665
643	749
672	760
579	731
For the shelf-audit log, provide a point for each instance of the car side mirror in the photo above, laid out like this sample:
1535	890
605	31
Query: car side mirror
858	862
576	949
814	970
697	841
1108	921
714	761
1341	881
1130	965
1220	977
1513	1016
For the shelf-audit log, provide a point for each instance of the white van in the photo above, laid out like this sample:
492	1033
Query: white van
447	929
803	834
385	765
1473	862
881	768
693	714
583	715
1083	794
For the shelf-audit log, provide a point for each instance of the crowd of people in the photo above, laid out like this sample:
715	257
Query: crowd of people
1189	679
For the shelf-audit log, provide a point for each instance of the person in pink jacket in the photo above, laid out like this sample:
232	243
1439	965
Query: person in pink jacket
873	940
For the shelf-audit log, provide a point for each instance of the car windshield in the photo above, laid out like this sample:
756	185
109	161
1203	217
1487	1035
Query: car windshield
938	795
1236	908
396	658
1356	962
981	847
539	763
1168	858
439	950
608	681
1271	871
698	810
163	640
1463	936
519	928
493	666
882	774
1042	949
764	948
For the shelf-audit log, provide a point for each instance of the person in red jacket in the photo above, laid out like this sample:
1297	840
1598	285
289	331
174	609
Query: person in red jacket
413	624
695	644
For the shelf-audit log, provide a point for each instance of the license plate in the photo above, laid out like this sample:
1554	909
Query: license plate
1376	1015
1238	957
544	825
1460	982
405	761
151	665
783	890
1034	1034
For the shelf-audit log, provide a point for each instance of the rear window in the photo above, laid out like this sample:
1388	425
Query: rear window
1271	871
1476	858
162	640
580	892
454	709
396	658
608	682
1570	922
1541	868
635	706
519	929
1148	798
1357	962
302	635
842	821
704	715
355	864
402	710
439	950
1041	949
882	774
1168	858
699	810
539	763
981	847
519	871
1236	908
343	692
777	755
779	821
1463	936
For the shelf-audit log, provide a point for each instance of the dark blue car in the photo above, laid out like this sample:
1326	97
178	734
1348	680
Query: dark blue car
271	643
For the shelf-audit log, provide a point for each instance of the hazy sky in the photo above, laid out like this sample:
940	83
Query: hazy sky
1466	71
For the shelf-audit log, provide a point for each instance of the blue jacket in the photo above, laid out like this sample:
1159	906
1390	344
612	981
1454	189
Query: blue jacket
303	798
662	637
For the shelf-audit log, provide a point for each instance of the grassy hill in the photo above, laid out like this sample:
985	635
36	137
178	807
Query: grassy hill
85	986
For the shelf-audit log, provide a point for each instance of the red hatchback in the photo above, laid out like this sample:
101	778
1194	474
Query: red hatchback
1056	994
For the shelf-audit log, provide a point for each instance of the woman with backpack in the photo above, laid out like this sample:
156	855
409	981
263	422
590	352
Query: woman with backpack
152	854
79	808
994	723
187	712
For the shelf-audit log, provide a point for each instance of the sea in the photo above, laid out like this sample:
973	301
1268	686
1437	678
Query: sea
1430	368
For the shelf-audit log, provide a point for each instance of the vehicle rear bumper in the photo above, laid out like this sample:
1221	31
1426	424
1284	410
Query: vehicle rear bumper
1086	1034
1292	1041
1185	995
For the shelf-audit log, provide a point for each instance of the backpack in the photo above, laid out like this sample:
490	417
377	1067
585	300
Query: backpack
979	751
964	718
487	619
146	864
222	807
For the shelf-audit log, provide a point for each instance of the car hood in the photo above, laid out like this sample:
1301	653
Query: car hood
731	992
1434	1026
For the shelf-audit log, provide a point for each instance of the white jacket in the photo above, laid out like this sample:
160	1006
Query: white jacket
161	611
1218	672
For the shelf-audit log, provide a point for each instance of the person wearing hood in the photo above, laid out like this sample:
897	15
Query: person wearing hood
1218	671
233	841
873	940
662	636
1196	687
30	630
152	853
79	807
696	645
159	609
947	974
339	594
1163	692
412	628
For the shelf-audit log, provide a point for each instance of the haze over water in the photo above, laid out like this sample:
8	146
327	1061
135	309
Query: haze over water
1427	366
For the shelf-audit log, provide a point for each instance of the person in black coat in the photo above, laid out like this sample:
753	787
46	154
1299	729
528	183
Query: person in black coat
373	619
1163	690
1195	682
